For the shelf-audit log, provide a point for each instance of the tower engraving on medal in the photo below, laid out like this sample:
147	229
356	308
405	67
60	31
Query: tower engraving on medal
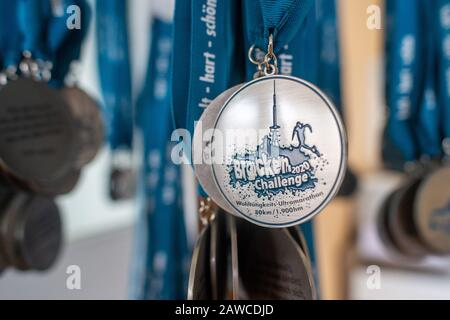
273	167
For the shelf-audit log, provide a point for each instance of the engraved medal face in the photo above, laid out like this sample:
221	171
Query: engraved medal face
284	151
432	211
36	131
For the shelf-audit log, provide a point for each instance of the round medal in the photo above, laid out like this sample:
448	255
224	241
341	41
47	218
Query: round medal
284	151
31	232
432	211
36	131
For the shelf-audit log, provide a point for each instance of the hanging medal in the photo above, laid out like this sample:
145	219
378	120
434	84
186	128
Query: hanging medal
432	201
31	232
37	129
84	109
279	147
412	219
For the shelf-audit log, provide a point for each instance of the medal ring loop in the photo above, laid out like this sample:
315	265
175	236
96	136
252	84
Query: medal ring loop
270	70
270	60
253	57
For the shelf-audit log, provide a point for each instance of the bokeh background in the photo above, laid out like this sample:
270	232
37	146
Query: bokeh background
99	233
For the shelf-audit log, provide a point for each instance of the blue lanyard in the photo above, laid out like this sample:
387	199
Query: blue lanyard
161	270
114	70
33	16
10	50
30	25
443	54
204	37
282	19
426	123
204	34
404	79
67	47
181	63
329	73
299	56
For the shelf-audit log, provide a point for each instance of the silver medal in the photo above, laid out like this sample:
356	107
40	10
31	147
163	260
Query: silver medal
283	151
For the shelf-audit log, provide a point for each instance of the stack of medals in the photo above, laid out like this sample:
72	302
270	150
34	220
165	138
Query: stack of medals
414	220
269	155
49	131
234	259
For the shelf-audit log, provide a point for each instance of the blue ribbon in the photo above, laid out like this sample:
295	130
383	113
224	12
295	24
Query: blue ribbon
209	64
426	122
64	47
281	18
114	70
329	73
10	49
404	80
31	25
442	17
162	259
33	18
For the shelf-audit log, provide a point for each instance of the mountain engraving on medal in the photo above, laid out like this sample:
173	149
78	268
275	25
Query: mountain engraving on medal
277	167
